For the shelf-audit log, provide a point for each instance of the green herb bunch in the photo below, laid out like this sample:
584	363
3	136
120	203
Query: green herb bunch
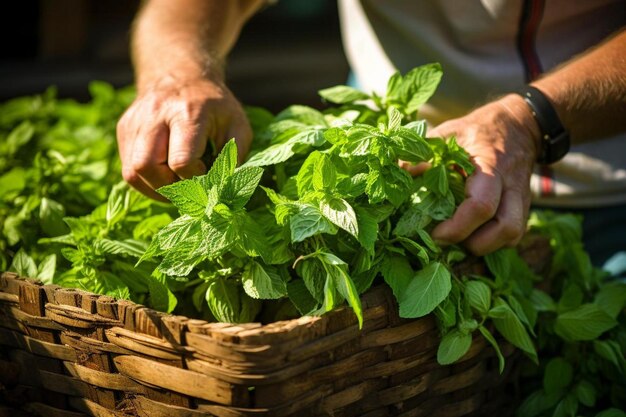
318	214
57	158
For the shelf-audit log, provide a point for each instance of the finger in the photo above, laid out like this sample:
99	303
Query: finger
414	170
149	156
241	131
483	191
187	143
126	134
505	229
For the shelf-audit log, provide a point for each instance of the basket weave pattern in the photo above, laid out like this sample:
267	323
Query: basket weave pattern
65	352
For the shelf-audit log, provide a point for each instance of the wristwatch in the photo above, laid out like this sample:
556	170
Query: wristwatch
555	140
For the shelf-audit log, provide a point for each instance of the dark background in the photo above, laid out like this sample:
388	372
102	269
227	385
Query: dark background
284	55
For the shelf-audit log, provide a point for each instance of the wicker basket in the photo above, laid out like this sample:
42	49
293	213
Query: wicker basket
65	352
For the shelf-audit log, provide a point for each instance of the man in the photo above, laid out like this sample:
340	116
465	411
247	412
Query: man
486	48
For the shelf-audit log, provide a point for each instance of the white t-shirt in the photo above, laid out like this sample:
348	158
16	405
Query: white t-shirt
476	42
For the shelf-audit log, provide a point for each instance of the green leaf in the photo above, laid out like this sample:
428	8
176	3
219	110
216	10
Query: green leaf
411	147
436	178
341	214
223	298
148	227
19	137
12	182
459	156
492	341
263	282
367	229
541	301
130	247
307	222
571	298
586	322
338	275
611	412
189	197
611	298
341	94
586	393
47	268
537	403
453	346
241	186
557	375
499	263
478	295
510	326
51	215
161	298
429	287
394	118
303	114
301	297
397	272
567	407
23	265
324	176
612	352
314	276
221	170
419	84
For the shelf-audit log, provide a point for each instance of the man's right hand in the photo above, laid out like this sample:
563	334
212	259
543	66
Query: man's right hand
164	134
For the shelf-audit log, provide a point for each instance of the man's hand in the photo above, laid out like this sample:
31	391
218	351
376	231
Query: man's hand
502	138
164	134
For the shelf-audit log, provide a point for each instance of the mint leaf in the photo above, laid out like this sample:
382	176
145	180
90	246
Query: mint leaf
262	282
240	186
23	265
453	346
510	326
340	213
409	146
222	297
586	393
301	297
189	197
338	275
428	288
586	322
557	375
397	272
47	269
307	222
611	298
478	295
419	84
342	94
221	170
492	341
324	176
436	178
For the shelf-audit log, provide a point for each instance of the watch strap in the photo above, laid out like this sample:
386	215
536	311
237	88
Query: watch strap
555	141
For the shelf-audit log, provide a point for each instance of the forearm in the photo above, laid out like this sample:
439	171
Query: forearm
589	92
186	39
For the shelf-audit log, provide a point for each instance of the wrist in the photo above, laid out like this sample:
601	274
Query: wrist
521	115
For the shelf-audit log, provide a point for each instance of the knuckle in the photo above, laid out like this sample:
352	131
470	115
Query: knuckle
140	165
512	232
485	209
130	176
179	162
